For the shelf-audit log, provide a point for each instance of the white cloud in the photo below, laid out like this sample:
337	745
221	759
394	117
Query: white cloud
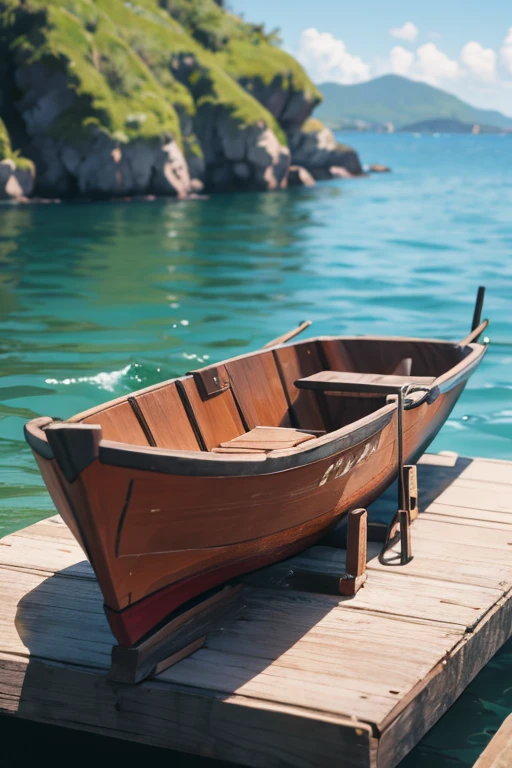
326	58
400	60
433	66
480	61
482	76
506	51
407	31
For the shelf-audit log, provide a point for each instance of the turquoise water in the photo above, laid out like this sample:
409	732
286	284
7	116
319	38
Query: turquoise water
99	299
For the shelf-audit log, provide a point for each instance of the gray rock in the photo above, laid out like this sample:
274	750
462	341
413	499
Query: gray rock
102	166
15	183
104	170
318	152
71	159
25	178
233	139
300	177
53	178
139	156
193	153
337	171
289	106
221	177
269	158
242	171
7	168
46	96
298	109
170	171
238	155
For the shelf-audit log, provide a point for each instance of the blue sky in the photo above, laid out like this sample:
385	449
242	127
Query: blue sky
462	47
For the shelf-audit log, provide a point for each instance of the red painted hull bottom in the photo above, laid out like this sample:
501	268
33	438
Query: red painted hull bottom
130	625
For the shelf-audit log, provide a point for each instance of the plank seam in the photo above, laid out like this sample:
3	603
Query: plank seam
437	668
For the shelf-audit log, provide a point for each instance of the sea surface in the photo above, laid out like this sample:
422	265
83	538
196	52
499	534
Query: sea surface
99	299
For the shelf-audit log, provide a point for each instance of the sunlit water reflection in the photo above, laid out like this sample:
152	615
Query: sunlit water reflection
97	300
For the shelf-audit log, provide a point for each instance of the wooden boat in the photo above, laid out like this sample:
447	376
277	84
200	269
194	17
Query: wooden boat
184	485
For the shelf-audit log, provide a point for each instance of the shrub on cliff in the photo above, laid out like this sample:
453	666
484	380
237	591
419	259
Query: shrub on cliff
127	97
16	172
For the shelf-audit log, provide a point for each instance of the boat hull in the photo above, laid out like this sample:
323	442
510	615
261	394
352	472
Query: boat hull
157	539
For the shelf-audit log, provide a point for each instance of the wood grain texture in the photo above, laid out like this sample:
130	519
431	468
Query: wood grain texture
498	753
167	419
336	381
269	439
164	523
356	542
118	422
259	392
201	721
278	686
294	362
428	701
217	416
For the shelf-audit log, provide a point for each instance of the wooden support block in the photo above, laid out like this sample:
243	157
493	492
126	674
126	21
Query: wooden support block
332	583
411	490
405	536
356	542
325	583
180	637
350	586
355	576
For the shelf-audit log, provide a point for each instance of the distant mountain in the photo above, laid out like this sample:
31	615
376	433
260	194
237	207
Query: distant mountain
449	125
400	101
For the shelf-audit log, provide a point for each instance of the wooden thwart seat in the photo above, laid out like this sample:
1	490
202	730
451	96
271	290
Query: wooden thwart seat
345	381
264	439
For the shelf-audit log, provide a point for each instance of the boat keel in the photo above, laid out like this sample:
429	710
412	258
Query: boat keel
182	635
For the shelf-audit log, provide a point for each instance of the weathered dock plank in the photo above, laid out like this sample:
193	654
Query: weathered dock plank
299	678
498	753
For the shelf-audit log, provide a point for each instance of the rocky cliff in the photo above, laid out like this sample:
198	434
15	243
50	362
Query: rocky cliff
114	98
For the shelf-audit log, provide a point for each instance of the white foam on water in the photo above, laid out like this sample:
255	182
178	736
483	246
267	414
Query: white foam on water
103	380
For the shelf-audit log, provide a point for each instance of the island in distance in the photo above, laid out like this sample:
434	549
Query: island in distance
451	125
395	103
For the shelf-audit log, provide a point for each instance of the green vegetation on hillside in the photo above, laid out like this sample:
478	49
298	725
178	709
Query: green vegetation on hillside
212	26
133	69
109	85
400	101
5	144
246	61
312	125
246	51
7	153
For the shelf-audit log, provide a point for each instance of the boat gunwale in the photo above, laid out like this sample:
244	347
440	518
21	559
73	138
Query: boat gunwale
208	464
159	385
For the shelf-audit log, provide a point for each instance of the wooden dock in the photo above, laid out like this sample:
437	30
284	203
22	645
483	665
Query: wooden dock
498	753
298	678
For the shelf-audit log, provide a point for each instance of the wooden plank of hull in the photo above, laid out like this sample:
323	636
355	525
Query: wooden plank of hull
301	511
157	537
158	540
